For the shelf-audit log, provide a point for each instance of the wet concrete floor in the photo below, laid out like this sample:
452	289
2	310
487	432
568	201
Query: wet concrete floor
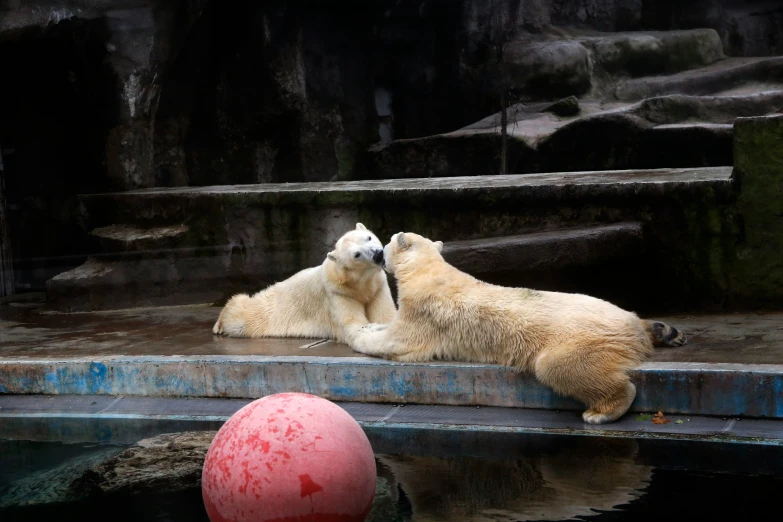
26	330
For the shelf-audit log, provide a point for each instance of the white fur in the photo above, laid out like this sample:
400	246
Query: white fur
330	301
579	345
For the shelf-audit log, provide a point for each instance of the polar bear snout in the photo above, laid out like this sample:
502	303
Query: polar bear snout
377	256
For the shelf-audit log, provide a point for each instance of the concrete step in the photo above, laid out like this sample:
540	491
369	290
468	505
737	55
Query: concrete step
744	390
733	365
120	239
720	76
144	278
575	62
542	250
645	53
242	238
599	135
126	420
141	279
554	250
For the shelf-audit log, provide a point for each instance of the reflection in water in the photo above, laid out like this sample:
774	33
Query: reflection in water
571	482
474	477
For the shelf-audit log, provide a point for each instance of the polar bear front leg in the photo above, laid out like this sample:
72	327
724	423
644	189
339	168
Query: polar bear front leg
382	309
348	318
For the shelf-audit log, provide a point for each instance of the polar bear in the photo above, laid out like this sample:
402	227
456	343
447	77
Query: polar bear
332	300
588	475
578	345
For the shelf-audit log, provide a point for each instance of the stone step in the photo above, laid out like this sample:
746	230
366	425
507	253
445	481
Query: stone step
131	238
172	277
552	250
733	365
720	76
243	238
151	206
468	430
645	53
678	388
577	62
148	277
616	135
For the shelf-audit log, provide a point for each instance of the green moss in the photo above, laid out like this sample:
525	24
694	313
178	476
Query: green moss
758	153
346	152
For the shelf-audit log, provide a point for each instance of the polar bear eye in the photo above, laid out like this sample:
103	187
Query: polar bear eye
369	238
357	254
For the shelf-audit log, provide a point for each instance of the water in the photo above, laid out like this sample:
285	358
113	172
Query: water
456	476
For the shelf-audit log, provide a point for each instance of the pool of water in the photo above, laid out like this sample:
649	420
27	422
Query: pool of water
433	475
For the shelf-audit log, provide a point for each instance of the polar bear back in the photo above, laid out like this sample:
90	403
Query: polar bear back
490	322
296	307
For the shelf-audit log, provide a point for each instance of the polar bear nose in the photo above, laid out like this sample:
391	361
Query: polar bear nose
378	256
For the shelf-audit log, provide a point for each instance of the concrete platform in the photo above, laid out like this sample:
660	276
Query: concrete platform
733	366
85	418
28	331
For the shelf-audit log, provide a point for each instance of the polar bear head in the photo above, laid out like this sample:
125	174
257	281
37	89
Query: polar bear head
404	246
358	249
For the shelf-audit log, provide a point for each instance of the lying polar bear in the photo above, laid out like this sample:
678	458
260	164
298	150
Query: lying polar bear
580	346
331	300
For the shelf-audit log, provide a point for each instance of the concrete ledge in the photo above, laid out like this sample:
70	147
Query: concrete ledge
242	238
684	388
713	78
546	250
441	430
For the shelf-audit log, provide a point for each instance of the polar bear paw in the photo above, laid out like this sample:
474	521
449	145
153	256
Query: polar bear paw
613	409
593	417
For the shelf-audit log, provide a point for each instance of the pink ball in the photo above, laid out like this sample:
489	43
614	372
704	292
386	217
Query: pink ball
289	457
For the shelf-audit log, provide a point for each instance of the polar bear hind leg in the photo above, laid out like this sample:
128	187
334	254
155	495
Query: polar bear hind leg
237	318
596	377
663	335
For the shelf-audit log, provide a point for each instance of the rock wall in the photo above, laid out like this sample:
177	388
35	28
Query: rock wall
200	92
747	28
111	95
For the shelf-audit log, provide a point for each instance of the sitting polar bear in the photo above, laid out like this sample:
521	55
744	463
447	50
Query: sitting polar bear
332	300
578	345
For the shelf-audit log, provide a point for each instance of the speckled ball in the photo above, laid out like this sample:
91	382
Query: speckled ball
290	457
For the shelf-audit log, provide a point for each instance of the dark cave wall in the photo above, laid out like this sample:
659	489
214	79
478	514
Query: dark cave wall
207	92
110	95
746	28
53	127
266	93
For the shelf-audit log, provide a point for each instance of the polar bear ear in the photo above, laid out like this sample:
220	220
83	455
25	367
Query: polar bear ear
402	241
359	226
332	256
439	246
